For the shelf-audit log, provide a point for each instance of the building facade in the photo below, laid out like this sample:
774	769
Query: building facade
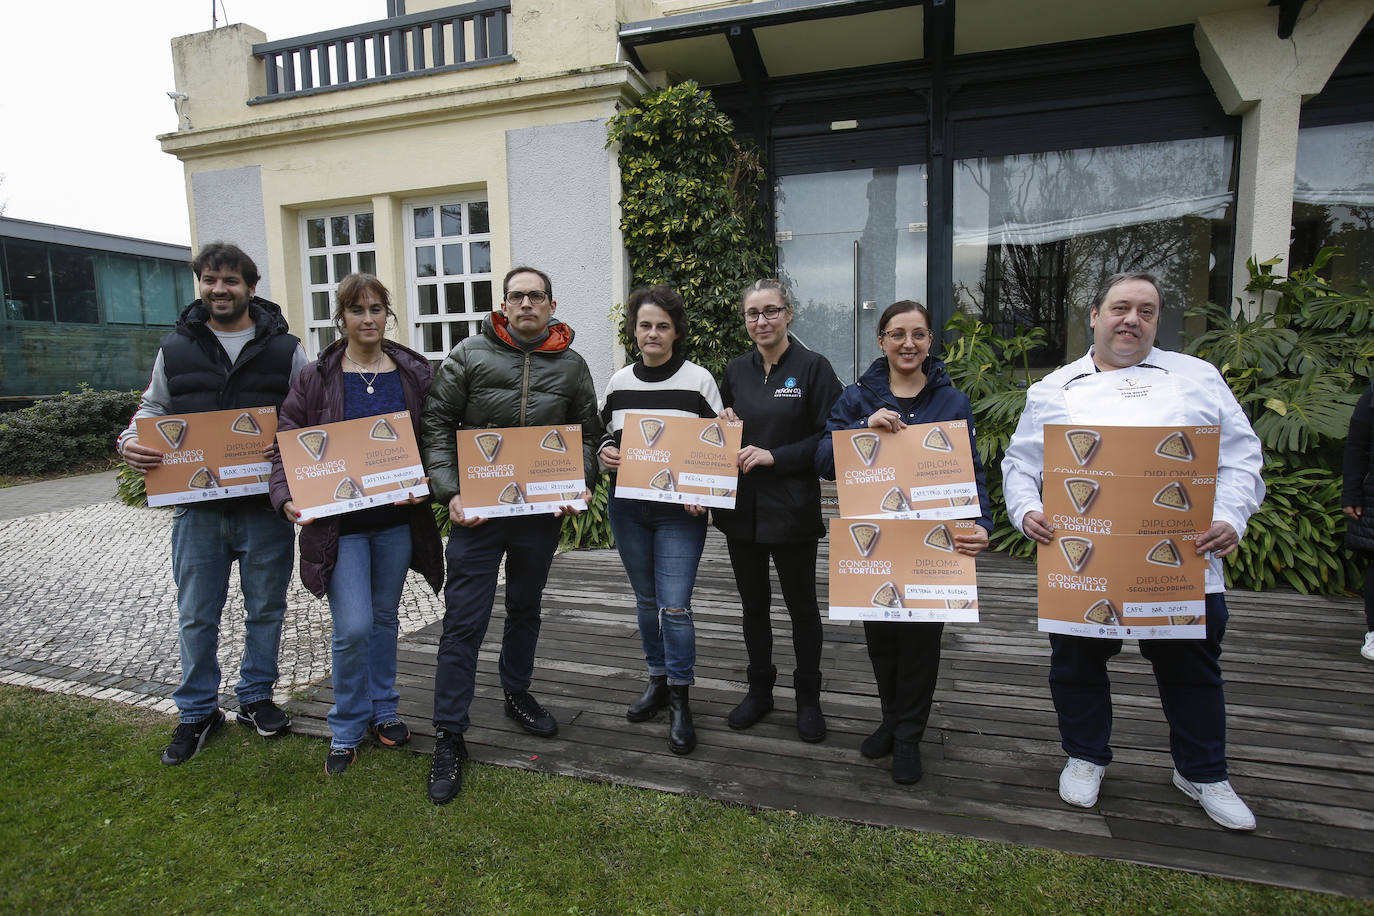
992	156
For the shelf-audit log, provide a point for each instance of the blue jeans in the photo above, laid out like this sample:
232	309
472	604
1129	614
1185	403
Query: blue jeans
660	545
364	592
474	558
206	540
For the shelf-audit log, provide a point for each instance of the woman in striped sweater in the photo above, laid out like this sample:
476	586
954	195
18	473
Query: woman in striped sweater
659	543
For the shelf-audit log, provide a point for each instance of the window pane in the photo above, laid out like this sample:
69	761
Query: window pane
1333	201
424	261
429	299
319	306
1034	234
367	262
457	331
73	281
338	230
363	222
453	260
314	233
343	265
319	269
119	290
424	222
166	290
28	295
477	217
481	257
455	298
481	296
451	219
325	336
432	338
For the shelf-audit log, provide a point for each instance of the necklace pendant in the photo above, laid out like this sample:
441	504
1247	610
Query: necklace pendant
369	389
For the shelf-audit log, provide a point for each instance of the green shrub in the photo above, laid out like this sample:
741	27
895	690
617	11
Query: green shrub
67	431
129	487
587	529
692	213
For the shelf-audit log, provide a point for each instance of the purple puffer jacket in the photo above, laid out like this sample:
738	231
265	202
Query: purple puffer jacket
317	396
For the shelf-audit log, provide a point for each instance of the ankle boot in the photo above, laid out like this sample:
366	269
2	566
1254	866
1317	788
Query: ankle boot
878	744
810	721
758	702
682	737
654	698
906	762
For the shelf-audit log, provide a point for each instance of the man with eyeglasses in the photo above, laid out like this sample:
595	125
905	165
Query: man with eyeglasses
1125	380
520	370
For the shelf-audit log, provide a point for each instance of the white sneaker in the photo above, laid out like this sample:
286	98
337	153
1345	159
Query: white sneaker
1080	782
1219	800
1367	650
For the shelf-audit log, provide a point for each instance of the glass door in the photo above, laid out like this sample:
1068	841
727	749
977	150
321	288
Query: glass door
850	243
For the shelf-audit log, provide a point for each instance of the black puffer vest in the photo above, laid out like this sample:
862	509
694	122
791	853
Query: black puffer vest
200	376
1358	475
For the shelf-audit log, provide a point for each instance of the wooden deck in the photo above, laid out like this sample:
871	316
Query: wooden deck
1300	697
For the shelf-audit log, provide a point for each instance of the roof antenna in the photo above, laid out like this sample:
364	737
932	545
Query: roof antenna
214	17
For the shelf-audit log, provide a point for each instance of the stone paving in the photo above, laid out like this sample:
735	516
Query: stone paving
88	606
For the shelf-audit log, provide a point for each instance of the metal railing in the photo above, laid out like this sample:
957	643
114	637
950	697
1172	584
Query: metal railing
433	41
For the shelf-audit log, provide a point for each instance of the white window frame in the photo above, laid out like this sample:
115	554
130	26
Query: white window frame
446	318
320	332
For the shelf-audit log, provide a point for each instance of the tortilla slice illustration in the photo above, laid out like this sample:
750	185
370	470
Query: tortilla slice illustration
940	539
865	535
244	423
174	431
886	596
1175	446
511	495
895	501
314	442
202	480
553	442
1184	620
663	480
936	440
1082	492
958	604
1173	496
488	444
1076	551
650	428
347	489
721	491
713	435
1102	612
1165	553
407	482
962	500
1083	442
382	430
866	444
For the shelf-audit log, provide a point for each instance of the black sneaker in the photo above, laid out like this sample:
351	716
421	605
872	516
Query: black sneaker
265	717
532	717
446	770
391	733
190	737
339	758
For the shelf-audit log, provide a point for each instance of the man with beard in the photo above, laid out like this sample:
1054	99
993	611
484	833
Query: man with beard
230	349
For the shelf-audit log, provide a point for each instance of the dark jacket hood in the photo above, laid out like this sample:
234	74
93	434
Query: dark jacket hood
497	327
267	317
874	380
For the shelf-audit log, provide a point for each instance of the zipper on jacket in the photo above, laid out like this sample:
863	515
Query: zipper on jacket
525	389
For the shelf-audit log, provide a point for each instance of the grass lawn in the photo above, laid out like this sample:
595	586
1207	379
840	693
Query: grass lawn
90	821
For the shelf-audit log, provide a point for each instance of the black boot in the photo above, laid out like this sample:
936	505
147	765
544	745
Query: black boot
654	698
878	744
682	737
810	722
906	762
758	702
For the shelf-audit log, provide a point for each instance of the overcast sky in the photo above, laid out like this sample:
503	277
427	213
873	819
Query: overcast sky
84	97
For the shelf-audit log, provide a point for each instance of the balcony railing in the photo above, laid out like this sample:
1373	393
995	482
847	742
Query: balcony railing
433	41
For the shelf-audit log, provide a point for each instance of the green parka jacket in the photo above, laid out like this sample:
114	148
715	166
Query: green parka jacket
487	381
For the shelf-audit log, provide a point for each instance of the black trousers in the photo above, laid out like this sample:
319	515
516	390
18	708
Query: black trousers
796	566
1188	672
906	663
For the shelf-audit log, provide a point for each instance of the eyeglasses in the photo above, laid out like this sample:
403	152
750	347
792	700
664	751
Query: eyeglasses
536	297
916	336
771	313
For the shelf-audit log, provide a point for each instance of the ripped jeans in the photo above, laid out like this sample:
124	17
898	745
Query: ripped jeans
660	545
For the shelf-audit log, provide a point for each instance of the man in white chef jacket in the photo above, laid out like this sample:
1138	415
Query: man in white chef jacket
1125	380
